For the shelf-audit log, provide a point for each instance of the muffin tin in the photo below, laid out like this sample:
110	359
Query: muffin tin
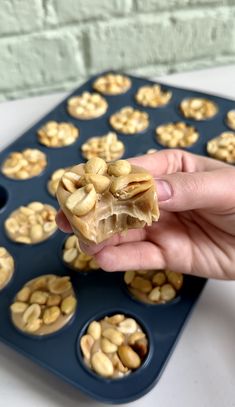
98	293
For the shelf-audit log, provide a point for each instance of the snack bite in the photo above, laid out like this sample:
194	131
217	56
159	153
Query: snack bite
101	199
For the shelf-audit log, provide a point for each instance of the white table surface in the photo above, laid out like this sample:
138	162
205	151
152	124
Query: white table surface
201	371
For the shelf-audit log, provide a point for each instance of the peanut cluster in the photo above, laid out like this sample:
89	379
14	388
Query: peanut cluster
112	84
24	165
114	346
129	120
177	134
153	286
87	106
230	119
54	134
223	147
152	96
75	258
100	199
107	147
6	267
44	305
198	108
31	224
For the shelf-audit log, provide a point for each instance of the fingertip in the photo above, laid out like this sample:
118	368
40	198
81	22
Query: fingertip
107	260
62	222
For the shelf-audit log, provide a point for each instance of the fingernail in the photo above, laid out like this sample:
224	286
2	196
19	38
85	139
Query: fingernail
164	190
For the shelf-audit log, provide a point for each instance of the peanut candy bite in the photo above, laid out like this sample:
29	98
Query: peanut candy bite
87	106
114	346
177	134
129	120
223	147
107	147
54	180
112	84
74	258
153	286
101	199
44	305
6	267
230	119
31	224
198	108
24	165
153	96
54	134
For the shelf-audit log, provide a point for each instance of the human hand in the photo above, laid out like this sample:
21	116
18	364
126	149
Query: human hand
196	230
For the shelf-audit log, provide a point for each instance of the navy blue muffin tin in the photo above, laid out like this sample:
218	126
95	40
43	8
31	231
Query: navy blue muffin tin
98	293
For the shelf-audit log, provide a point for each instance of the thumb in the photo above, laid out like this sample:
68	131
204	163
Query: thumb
186	191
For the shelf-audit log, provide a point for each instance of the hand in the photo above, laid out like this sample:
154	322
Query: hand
196	230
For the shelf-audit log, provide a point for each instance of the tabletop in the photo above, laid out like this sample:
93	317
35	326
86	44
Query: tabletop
201	370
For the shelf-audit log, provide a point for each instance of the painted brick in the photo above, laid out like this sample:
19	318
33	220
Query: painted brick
41	59
146	40
20	16
155	5
76	11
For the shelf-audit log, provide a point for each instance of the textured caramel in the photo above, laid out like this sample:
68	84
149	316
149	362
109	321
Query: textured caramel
126	202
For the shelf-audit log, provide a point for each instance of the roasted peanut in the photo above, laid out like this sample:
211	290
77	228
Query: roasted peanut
68	305
102	364
94	329
118	168
82	200
95	166
128	357
51	314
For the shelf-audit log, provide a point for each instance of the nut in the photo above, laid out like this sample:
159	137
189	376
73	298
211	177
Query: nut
53	299
18	307
129	276
115	319
82	201
51	314
168	292
94	329
141	284
159	278
136	336
176	279
24	294
127	186
86	344
129	357
102	364
32	313
54	180
114	336
95	166
100	182
68	305
39	297
128	326
107	346
59	285
120	167
155	294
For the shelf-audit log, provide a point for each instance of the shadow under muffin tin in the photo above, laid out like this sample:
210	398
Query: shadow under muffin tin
99	294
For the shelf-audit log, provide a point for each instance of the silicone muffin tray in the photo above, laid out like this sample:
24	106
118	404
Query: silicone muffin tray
98	293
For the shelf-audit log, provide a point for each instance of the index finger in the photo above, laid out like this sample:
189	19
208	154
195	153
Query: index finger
171	161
